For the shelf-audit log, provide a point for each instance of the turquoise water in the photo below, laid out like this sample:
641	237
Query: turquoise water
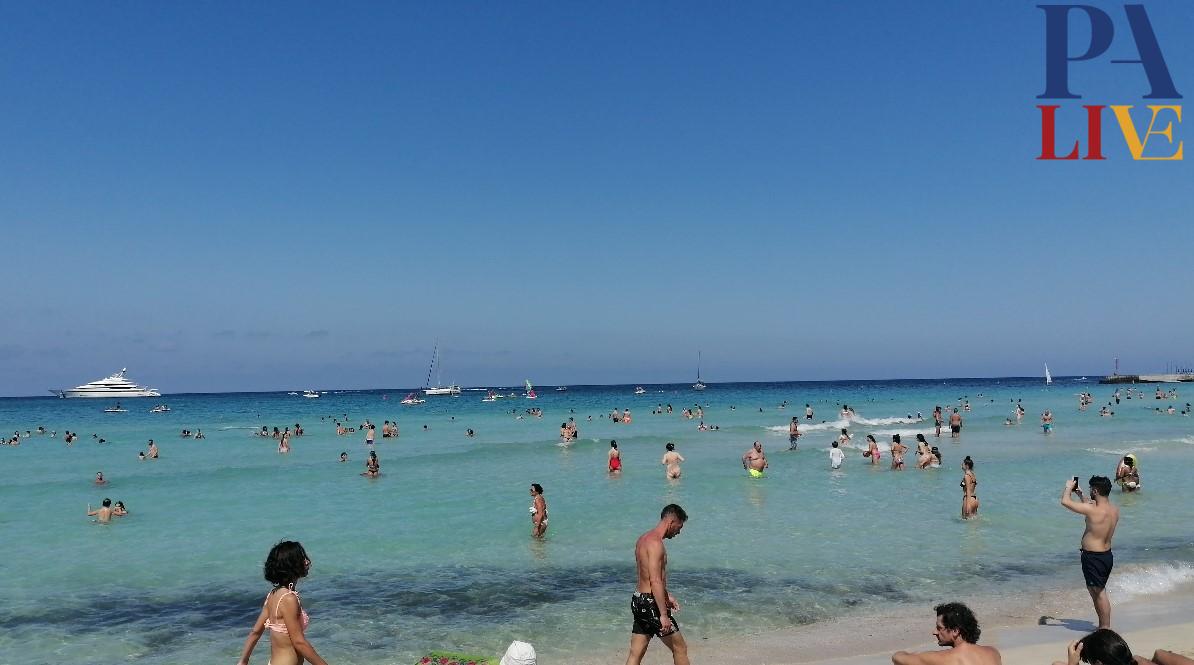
436	553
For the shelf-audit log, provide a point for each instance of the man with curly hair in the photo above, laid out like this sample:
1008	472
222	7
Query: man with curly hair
957	629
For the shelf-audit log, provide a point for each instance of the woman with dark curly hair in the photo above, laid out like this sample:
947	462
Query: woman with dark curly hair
283	614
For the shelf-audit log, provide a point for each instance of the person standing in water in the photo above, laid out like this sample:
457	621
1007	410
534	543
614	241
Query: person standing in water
651	605
538	511
872	449
671	460
955	424
755	461
615	458
793	433
897	453
969	484
283	614
836	456
1101	519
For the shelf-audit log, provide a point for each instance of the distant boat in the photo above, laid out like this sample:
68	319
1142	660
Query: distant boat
439	389
561	388
115	409
490	396
639	390
412	399
1048	376
699	385
310	394
161	408
113	386
530	394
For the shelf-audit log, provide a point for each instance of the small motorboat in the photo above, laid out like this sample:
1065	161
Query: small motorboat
639	390
161	408
561	388
490	396
115	409
412	399
310	394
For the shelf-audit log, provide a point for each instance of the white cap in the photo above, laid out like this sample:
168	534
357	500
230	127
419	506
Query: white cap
519	653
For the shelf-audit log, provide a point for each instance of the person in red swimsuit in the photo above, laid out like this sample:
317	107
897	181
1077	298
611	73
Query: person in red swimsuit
615	458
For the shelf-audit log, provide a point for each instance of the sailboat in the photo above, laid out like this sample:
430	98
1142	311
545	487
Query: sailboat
699	385
530	390
439	389
1048	376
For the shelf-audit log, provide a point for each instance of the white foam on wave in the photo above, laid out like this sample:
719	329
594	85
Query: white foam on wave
1149	579
1120	452
899	420
902	432
1187	440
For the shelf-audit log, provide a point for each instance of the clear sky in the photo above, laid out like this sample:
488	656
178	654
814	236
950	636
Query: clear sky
255	196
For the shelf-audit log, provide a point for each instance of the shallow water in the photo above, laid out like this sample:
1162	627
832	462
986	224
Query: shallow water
436	553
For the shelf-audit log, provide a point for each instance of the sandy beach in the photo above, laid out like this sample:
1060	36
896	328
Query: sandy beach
1146	622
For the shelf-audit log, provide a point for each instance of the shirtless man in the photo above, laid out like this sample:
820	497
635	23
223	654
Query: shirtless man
808	412
99	478
754	461
104	514
1101	519
793	433
957	629
672	459
153	450
650	558
955	424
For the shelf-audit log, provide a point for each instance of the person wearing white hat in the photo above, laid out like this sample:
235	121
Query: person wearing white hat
519	653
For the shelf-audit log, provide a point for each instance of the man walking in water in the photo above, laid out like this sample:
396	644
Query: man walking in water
1101	519
955	424
957	629
754	461
793	433
650	560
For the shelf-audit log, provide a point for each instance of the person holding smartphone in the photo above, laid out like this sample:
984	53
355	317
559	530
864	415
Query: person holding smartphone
1101	519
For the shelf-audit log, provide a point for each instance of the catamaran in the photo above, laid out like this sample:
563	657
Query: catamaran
699	385
530	390
439	389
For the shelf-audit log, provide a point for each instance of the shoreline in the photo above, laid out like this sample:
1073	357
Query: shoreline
1147	622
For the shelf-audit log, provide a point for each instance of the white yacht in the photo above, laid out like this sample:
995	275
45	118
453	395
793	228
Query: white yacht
113	386
439	388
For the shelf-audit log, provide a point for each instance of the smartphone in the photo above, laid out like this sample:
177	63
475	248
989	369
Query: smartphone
1075	480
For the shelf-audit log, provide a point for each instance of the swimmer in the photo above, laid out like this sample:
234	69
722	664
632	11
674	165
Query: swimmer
836	456
755	461
99	478
119	510
103	514
153	450
372	466
344	457
615	458
672	460
955	425
1047	421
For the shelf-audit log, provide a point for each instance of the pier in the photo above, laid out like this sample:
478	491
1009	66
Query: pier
1148	378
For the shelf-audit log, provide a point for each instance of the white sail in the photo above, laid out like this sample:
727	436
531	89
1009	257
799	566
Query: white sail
1048	377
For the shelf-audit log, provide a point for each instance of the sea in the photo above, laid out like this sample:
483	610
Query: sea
437	553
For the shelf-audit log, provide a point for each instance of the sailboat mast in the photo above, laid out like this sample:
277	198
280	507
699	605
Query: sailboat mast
434	355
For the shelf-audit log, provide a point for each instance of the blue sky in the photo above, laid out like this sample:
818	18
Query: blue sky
231	197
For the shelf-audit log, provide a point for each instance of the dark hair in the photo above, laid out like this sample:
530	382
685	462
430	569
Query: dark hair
956	616
1105	647
835	444
613	444
871	437
670	446
921	437
895	437
1100	484
120	503
106	502
1128	461
674	510
968	463
286	563
538	488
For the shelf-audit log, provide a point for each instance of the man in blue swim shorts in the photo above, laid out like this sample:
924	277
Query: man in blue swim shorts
1101	519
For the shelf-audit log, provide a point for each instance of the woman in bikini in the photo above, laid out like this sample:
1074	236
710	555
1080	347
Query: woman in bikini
538	511
897	453
924	455
615	458
969	484
872	449
283	614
